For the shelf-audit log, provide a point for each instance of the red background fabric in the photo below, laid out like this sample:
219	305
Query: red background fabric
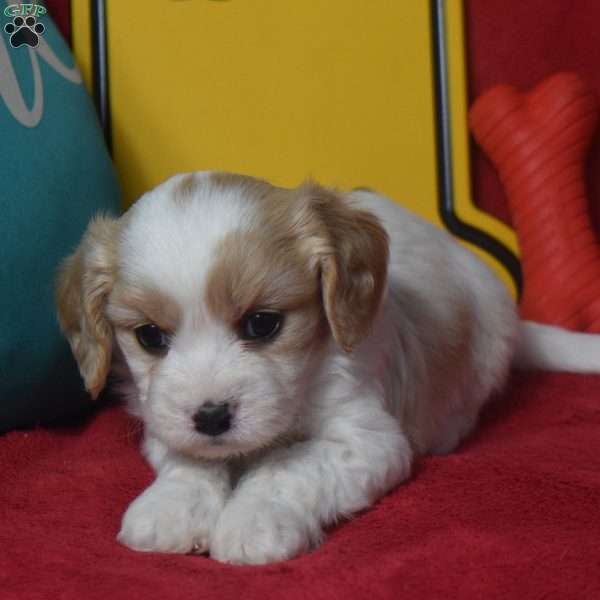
61	14
515	513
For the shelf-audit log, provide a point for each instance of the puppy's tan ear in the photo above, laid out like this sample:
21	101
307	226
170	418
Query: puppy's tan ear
352	251
85	279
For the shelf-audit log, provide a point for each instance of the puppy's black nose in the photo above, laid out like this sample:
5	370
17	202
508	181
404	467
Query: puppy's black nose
212	419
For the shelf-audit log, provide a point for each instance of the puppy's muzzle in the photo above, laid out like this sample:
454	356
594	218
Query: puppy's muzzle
213	419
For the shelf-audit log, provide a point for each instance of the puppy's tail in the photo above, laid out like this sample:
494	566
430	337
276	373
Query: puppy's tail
551	348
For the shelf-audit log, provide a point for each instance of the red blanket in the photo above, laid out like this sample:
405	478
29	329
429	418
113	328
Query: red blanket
515	513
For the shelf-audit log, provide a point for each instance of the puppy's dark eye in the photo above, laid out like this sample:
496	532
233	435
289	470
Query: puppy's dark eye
262	325
152	339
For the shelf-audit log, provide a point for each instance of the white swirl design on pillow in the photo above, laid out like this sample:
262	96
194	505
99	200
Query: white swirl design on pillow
10	90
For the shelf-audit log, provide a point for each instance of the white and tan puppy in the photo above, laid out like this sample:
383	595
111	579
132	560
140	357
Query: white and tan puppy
289	352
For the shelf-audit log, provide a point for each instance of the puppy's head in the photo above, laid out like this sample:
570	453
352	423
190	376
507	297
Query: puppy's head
222	293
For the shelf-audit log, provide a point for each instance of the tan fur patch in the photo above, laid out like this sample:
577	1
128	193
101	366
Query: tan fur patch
355	274
251	273
185	188
132	306
250	187
347	246
308	244
84	283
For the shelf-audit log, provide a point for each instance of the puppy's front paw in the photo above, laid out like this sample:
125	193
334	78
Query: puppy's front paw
166	518
262	532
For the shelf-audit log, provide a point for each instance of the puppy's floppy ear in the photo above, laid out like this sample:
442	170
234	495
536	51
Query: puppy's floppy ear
85	279
352	251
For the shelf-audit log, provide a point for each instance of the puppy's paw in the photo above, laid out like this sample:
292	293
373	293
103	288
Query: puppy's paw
262	532
167	518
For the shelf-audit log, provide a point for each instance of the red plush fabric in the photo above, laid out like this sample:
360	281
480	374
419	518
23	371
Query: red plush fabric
61	14
515	513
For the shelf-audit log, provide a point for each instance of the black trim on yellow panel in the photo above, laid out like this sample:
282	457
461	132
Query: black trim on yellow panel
446	206
100	78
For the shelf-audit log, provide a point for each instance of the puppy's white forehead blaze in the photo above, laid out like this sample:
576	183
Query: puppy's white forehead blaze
172	233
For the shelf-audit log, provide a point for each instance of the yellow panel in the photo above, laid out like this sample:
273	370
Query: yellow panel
337	90
340	91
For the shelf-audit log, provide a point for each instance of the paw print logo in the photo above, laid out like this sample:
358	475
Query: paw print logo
24	31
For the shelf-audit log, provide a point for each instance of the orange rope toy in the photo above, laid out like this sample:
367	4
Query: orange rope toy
537	142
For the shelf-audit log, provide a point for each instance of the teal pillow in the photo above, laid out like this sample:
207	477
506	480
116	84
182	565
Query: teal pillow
56	174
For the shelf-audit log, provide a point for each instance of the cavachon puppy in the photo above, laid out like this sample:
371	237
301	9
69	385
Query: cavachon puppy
289	351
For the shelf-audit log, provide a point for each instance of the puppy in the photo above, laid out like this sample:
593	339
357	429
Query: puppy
289	352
